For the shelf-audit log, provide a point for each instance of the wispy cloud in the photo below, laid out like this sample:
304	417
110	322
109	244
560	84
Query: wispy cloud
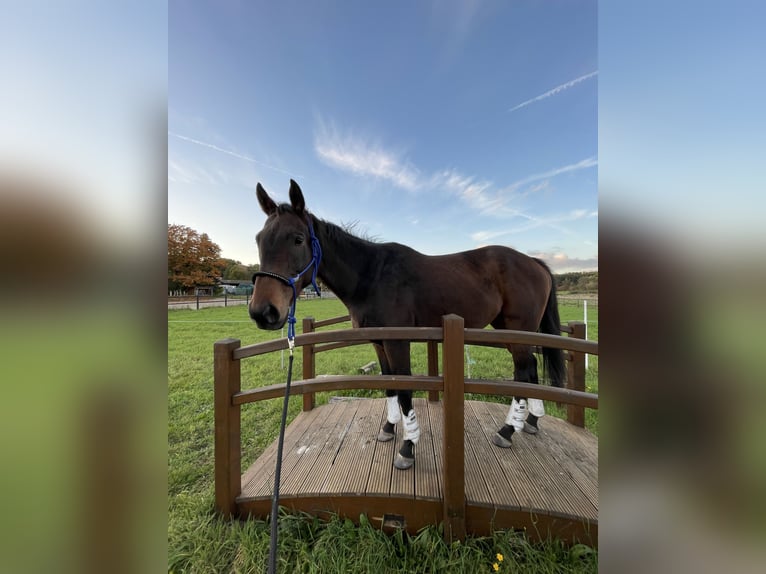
364	158
532	222
487	199
361	157
467	187
482	236
582	164
232	153
554	91
180	172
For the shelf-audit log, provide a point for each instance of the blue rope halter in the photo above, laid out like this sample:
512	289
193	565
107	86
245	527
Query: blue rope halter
316	258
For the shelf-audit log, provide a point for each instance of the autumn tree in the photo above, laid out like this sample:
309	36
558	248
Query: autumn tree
193	258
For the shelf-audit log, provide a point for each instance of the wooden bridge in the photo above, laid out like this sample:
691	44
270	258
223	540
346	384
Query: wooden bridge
545	483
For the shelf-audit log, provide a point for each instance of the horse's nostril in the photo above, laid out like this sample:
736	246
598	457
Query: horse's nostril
266	316
270	314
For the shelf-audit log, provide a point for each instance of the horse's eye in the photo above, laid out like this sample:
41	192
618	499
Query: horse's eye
299	239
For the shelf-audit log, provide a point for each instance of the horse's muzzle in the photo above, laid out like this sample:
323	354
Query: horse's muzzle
267	317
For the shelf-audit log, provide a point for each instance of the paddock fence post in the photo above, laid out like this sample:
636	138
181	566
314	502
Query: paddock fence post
433	367
309	365
576	374
228	447
454	432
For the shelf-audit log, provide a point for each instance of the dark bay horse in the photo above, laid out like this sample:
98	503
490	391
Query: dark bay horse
392	285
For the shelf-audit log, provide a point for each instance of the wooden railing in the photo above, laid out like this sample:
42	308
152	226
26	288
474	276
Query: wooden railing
575	361
229	397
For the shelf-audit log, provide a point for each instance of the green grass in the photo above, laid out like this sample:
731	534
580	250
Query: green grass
199	541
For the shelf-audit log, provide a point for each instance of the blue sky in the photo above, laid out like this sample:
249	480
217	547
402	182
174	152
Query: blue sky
441	125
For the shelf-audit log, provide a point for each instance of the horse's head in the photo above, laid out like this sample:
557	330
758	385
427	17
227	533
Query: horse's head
284	247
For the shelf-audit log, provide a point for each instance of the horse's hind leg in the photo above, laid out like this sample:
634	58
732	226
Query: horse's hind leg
393	414
525	371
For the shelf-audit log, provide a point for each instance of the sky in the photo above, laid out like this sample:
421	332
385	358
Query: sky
444	126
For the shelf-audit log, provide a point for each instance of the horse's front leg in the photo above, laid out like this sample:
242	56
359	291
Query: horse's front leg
405	458
393	414
398	355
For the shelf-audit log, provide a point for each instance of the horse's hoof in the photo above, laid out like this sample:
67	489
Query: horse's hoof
501	441
528	428
387	432
403	463
384	436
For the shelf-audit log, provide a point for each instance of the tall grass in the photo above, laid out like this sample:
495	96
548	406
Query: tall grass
199	541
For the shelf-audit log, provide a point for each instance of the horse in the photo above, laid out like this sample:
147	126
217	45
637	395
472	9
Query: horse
392	285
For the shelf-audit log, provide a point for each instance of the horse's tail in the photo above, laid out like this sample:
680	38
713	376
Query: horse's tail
553	359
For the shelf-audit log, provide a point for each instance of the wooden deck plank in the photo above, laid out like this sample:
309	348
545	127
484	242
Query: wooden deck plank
579	447
427	479
477	463
560	470
492	471
315	475
580	464
436	417
351	467
523	484
302	458
299	435
379	481
539	466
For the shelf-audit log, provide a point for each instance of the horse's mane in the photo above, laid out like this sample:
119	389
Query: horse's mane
333	230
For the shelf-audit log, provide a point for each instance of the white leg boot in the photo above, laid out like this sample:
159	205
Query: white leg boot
536	411
412	434
517	414
411	427
516	418
393	416
394	413
536	407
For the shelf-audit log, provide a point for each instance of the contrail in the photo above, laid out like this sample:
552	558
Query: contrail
233	153
583	164
554	91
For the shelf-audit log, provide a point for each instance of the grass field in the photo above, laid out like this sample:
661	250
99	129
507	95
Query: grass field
198	541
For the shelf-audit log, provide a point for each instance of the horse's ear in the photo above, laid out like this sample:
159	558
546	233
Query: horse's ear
267	204
296	198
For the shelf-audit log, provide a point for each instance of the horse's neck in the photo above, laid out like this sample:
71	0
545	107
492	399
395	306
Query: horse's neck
345	260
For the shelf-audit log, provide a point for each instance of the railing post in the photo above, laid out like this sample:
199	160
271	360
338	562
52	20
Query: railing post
228	448
454	436
309	366
433	367
576	375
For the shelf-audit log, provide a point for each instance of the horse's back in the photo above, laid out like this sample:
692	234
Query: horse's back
478	285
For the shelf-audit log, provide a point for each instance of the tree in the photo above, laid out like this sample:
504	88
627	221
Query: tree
236	271
193	258
577	282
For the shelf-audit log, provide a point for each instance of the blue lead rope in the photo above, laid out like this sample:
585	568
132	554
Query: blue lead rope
316	258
